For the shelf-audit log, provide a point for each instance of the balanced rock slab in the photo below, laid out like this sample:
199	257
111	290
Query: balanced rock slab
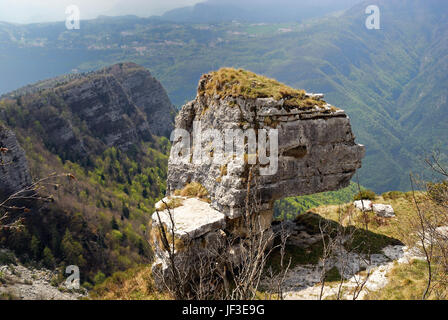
192	219
316	147
309	145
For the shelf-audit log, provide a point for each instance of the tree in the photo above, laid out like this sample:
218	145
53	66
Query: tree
114	224
35	247
125	211
99	278
48	258
72	250
16	205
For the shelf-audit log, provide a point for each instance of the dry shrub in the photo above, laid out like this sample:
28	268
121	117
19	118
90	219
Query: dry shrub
193	190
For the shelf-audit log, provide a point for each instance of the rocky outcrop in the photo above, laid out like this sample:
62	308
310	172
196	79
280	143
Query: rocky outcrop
383	210
14	172
114	107
316	149
363	205
196	226
303	146
120	105
148	94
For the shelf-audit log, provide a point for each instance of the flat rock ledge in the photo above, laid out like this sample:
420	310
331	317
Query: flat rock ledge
193	219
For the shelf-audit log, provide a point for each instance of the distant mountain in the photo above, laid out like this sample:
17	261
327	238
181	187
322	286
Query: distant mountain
213	11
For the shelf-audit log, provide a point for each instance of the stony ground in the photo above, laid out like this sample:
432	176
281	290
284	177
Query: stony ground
359	271
303	282
20	282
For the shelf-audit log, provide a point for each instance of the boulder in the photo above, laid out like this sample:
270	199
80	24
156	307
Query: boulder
192	219
363	205
383	210
316	148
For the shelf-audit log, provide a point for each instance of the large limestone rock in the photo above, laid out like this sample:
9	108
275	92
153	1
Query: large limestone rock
193	218
316	152
14	171
316	149
381	210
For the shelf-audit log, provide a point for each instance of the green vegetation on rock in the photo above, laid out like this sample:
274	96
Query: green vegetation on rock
229	82
289	208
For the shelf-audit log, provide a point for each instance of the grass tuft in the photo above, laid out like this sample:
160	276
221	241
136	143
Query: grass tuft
193	190
229	82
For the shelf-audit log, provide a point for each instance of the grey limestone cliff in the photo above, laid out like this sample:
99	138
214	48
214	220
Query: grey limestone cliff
117	106
14	172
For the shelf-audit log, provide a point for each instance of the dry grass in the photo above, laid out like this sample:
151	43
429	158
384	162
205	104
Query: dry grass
193	190
407	281
134	284
171	204
229	82
223	170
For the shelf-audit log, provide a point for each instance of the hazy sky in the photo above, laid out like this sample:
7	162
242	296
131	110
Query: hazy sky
27	11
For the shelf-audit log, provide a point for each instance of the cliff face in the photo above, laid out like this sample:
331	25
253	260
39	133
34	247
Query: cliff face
120	105
147	94
14	172
117	106
316	148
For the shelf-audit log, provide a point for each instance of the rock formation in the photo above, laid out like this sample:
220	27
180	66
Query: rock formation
120	105
114	107
14	172
316	150
381	210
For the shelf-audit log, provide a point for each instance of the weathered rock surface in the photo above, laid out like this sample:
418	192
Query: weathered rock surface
114	107
196	226
363	205
316	153
193	219
303	281
317	150
20	282
383	210
148	94
120	105
14	172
